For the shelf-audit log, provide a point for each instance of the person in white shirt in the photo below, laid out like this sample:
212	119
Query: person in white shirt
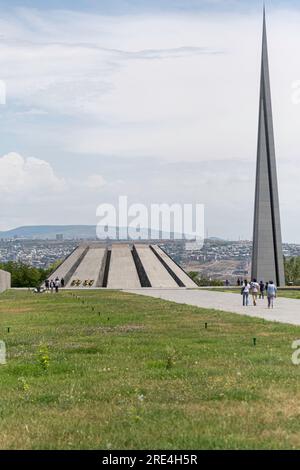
271	292
254	291
57	284
245	293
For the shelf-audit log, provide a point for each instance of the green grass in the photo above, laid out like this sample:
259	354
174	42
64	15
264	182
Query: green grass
288	294
143	374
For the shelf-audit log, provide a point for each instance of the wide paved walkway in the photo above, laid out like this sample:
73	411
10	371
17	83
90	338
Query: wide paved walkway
285	310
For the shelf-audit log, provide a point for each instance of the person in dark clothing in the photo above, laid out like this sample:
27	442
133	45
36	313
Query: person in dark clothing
261	290
266	287
56	284
47	284
239	282
62	282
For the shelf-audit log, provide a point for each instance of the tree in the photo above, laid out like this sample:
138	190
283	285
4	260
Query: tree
23	275
292	270
204	281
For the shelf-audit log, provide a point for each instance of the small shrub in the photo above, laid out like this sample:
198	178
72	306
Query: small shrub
43	357
204	281
23	384
171	356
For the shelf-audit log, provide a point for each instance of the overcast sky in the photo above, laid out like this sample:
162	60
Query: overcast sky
156	99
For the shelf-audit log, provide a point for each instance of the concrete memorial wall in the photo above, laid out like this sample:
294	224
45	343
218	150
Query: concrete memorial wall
5	280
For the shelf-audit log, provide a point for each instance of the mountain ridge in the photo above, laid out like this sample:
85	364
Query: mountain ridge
49	232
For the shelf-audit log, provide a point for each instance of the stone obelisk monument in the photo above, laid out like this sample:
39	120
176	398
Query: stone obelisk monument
267	257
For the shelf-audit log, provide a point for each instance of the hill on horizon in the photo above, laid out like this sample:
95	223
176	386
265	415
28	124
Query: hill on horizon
49	232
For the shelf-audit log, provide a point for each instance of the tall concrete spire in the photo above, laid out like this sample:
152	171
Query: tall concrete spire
267	257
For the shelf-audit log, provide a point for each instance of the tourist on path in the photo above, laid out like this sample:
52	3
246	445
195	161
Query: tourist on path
254	291
262	290
62	282
57	284
47	283
245	293
266	288
52	285
271	292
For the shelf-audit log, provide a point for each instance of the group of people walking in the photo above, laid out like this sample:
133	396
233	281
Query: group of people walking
54	285
258	290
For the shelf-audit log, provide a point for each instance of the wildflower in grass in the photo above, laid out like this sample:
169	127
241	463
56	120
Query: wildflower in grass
43	357
141	398
23	384
171	356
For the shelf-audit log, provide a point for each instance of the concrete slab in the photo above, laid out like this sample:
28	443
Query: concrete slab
88	270
187	281
285	310
156	272
63	270
122	271
5	280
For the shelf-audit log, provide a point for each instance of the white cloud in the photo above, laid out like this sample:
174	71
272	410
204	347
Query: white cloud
27	176
30	189
95	181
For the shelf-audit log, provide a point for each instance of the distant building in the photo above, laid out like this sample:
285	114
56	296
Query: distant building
59	237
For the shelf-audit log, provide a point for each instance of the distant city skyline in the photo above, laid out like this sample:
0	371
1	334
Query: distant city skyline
153	100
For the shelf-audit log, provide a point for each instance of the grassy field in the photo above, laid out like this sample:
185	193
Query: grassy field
290	294
110	370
